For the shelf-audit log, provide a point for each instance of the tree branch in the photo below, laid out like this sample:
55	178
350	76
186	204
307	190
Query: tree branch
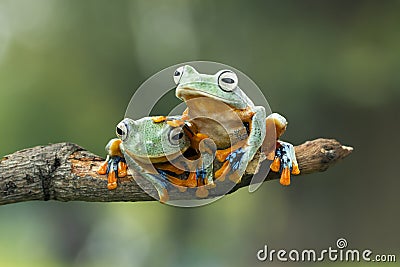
67	172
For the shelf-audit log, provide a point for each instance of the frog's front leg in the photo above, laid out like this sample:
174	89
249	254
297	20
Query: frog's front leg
242	157
114	165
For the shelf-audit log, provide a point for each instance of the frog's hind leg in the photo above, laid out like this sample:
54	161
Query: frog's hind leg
243	151
222	154
285	162
257	127
230	166
235	160
226	156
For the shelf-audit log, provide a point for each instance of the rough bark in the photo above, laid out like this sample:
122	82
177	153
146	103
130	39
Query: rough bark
67	172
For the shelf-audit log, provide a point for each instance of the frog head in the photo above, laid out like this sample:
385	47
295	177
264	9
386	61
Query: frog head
222	86
149	141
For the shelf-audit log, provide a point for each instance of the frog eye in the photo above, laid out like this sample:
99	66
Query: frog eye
175	135
178	74
227	81
122	131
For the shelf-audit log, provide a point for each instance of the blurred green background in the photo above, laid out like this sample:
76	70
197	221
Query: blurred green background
69	68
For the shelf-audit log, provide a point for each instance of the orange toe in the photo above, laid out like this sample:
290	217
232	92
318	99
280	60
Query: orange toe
175	123
296	169
201	136
122	169
103	168
191	180
285	177
182	188
276	164
201	192
159	119
185	115
112	180
221	155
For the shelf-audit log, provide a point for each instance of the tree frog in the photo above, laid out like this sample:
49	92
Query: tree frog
150	145
220	110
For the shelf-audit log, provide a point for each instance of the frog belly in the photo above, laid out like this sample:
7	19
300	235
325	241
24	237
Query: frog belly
223	134
217	120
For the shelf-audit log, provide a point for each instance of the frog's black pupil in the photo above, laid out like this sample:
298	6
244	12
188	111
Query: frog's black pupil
177	136
177	73
227	80
119	131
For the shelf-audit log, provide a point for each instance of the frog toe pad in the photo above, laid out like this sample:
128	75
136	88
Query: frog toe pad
112	180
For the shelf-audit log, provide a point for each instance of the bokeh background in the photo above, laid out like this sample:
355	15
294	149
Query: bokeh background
69	68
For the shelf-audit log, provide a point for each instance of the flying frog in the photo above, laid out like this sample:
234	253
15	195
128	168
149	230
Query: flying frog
221	111
150	145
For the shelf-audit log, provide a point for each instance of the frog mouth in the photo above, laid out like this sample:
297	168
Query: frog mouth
188	93
149	160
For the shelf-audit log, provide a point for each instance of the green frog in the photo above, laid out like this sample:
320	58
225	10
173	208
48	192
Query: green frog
218	110
221	111
153	148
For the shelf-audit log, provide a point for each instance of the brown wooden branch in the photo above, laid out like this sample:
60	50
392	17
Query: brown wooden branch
67	172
